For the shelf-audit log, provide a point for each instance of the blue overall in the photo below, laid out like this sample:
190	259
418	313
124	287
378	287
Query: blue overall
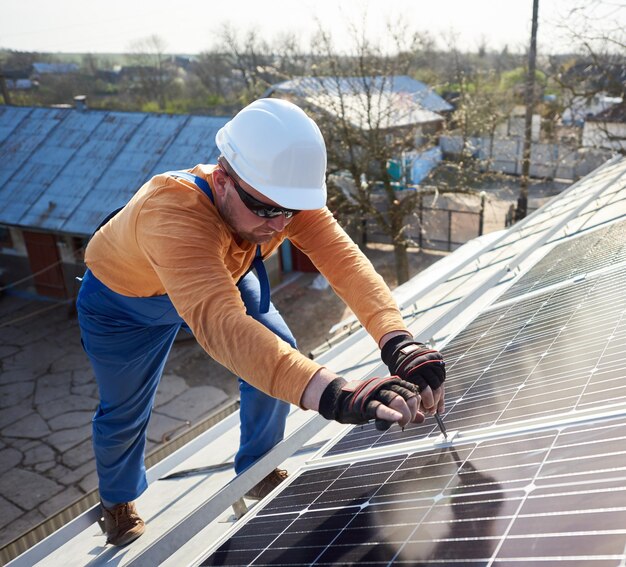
127	340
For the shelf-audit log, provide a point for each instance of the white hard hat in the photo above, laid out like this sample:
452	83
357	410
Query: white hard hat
277	149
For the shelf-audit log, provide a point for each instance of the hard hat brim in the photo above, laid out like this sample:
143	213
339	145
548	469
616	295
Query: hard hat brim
302	199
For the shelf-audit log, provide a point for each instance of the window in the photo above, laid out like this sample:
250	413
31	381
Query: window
6	241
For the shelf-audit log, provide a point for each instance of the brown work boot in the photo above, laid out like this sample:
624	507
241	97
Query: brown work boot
269	483
121	524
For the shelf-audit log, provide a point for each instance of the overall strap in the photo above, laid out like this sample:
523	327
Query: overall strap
257	263
197	181
259	266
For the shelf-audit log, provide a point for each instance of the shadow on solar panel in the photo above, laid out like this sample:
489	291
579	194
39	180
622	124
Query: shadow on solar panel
550	497
378	522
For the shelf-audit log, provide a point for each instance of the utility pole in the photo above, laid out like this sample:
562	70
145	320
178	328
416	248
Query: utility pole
522	201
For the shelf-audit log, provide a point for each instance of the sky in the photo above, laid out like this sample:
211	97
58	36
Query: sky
193	26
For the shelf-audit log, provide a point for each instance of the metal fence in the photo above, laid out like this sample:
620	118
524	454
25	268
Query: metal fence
434	228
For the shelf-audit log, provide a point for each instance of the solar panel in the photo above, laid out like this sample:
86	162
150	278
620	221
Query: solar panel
536	474
546	497
587	253
555	352
502	495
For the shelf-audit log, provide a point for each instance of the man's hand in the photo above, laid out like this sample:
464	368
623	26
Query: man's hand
416	363
389	400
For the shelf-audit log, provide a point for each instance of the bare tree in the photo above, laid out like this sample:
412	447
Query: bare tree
251	57
595	66
290	59
241	65
482	102
214	72
152	69
366	122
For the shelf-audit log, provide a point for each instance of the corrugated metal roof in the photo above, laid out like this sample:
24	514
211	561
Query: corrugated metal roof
64	170
419	92
390	110
43	68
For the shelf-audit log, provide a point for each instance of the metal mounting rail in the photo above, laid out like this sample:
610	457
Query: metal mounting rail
550	288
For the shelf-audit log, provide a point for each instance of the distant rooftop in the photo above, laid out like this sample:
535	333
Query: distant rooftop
616	113
419	92
368	102
54	68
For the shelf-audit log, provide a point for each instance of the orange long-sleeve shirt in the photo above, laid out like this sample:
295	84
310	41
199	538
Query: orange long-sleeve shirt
170	239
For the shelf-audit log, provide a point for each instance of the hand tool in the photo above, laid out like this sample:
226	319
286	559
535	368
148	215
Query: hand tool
441	425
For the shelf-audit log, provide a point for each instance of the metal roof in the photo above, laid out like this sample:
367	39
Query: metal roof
188	517
43	68
64	170
417	92
391	110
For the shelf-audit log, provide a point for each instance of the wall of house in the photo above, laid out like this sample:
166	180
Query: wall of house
425	133
15	268
13	258
18	247
611	136
515	126
15	265
505	155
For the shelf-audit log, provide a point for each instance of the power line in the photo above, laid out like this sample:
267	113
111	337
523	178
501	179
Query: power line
36	313
29	277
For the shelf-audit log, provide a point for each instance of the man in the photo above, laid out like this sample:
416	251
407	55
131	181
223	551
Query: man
180	253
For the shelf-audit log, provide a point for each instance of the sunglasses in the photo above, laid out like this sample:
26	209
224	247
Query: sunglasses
259	208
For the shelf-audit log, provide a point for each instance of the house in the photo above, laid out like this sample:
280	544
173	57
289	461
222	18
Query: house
397	105
515	124
581	108
39	69
18	79
63	170
399	101
412	89
606	129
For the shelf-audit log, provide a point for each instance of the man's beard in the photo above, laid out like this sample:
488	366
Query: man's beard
226	212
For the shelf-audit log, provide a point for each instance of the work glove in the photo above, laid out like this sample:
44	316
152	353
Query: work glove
414	362
356	402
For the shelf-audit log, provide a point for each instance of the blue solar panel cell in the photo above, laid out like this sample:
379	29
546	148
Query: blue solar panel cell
517	497
587	253
559	351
